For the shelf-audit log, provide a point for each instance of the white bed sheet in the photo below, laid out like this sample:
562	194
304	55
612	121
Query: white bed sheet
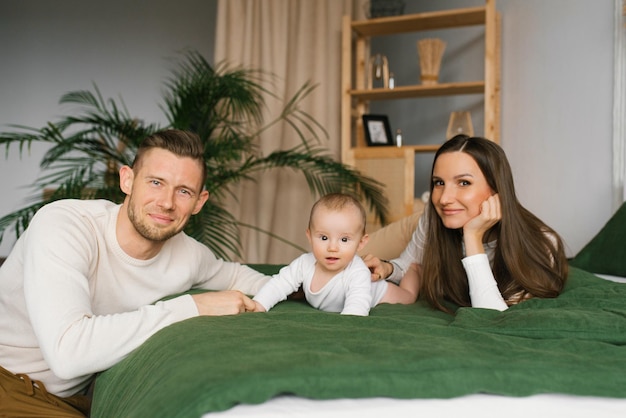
483	405
618	279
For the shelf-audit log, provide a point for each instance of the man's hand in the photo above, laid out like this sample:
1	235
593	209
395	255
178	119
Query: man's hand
259	307
227	302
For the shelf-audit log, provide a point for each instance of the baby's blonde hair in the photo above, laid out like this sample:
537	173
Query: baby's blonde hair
338	201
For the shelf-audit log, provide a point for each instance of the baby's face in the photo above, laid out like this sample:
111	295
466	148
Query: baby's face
335	237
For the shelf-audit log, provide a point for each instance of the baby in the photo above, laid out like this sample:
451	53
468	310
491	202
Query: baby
333	276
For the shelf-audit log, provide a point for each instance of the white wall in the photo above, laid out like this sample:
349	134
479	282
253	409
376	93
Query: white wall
48	48
557	73
557	98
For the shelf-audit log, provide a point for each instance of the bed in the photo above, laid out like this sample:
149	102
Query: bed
564	357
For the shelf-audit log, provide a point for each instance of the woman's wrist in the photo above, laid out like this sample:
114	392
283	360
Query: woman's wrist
473	244
387	263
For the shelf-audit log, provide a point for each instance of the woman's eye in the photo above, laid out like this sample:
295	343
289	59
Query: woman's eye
464	183
437	182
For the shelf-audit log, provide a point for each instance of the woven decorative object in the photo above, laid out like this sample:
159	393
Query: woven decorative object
383	8
430	51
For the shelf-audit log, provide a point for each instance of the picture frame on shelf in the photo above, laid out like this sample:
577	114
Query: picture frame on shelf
377	130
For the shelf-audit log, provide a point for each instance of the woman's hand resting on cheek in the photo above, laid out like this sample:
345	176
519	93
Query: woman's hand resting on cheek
474	230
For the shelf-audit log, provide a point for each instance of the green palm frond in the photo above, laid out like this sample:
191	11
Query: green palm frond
297	119
25	136
202	99
272	235
19	219
217	228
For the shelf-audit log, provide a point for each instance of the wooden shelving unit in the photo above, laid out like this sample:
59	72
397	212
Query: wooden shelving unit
394	166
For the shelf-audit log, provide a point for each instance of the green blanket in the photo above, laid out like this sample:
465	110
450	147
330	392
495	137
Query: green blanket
574	344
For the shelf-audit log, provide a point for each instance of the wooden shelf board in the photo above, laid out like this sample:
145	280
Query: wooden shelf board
404	92
391	151
420	21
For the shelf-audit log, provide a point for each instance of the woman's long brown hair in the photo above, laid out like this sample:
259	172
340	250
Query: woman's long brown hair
529	257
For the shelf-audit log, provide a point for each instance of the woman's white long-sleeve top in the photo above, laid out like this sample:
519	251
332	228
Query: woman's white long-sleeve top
484	292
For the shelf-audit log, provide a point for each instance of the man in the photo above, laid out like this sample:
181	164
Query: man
77	291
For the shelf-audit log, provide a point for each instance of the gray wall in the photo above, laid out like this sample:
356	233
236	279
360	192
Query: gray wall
557	72
558	124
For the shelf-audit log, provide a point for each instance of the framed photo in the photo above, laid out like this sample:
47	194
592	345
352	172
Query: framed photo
377	130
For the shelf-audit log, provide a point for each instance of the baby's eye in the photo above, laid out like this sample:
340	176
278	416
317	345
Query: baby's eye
324	238
344	239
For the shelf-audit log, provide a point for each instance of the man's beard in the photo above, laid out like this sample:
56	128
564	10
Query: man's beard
149	232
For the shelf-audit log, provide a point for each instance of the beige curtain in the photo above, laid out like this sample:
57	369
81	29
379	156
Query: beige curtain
297	41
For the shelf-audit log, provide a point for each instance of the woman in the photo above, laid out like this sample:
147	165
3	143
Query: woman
475	244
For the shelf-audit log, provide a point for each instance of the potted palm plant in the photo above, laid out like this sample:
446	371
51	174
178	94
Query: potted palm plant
224	106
